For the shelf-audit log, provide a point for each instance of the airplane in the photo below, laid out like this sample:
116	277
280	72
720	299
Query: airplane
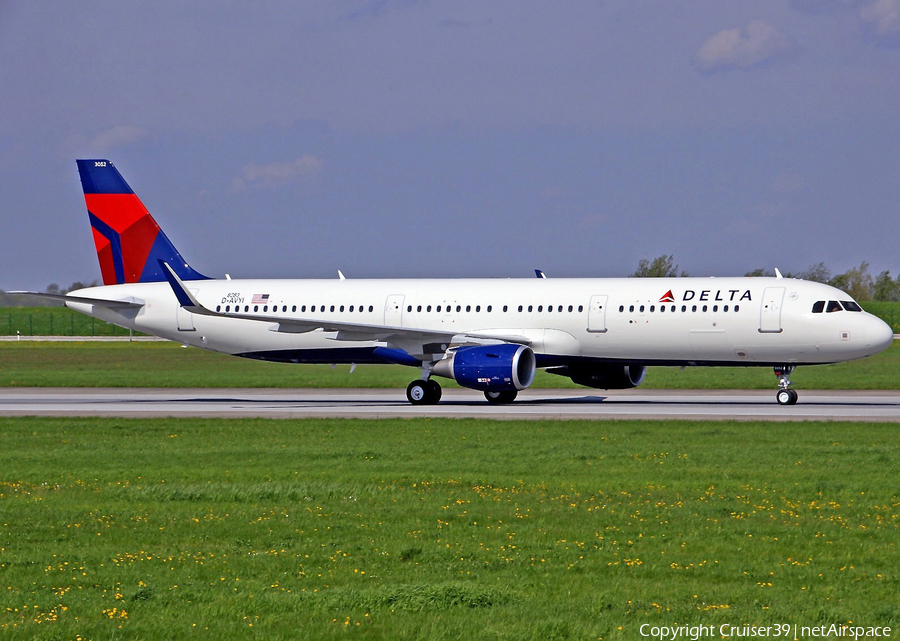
489	335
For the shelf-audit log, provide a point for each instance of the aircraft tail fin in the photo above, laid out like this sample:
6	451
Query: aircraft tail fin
130	244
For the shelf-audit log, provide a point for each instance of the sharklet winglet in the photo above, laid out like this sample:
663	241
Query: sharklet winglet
185	298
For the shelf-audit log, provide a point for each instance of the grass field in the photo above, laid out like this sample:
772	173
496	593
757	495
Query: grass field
25	364
441	529
54	321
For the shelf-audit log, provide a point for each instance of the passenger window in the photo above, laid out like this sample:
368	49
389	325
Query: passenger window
469	308
693	308
294	308
621	308
715	308
833	306
737	308
673	308
246	308
641	308
490	307
725	309
505	308
540	308
256	308
418	308
428	309
705	308
477	308
683	308
851	306
570	308
459	308
370	308
322	308
581	308
530	308
631	308
408	308
520	308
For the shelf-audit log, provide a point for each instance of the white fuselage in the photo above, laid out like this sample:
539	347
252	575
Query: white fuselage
675	321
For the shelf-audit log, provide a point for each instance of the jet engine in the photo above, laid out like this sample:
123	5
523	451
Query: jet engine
490	368
603	375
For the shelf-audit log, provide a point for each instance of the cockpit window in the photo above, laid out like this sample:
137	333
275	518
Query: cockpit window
818	307
834	306
851	306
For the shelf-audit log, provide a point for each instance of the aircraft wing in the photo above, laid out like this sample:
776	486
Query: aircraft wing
413	340
126	303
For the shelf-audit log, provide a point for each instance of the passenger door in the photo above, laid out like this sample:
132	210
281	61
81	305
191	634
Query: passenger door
770	310
597	314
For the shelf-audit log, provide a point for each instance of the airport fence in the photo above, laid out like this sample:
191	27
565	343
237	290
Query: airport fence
55	321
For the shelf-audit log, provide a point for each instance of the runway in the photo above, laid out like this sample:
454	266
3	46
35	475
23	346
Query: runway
377	403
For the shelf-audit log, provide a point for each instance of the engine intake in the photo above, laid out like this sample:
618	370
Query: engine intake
603	375
489	368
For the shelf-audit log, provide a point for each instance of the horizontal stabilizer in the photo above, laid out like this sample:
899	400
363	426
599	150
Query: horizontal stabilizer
129	303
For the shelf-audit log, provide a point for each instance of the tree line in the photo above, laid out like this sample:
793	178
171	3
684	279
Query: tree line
857	281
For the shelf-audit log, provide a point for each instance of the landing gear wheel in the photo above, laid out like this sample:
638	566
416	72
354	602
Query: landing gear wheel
417	392
423	392
501	397
434	392
787	397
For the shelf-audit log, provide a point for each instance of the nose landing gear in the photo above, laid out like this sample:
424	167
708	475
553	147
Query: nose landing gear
785	395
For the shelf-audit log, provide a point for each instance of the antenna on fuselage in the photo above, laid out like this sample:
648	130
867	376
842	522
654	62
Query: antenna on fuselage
539	274
778	273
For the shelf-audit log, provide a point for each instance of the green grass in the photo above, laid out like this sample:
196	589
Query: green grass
54	321
888	311
441	529
40	364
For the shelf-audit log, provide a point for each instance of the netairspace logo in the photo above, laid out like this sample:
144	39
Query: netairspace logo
696	632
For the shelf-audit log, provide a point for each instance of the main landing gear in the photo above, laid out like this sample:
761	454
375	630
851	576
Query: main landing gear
428	392
785	395
423	392
501	398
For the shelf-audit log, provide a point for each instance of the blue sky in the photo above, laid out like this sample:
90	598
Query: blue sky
404	138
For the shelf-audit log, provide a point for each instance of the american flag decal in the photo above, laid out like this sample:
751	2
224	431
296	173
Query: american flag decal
259	299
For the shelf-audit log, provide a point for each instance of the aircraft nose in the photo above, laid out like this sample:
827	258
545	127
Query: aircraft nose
880	334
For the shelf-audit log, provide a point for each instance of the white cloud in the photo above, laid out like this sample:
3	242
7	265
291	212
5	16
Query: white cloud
883	16
277	174
755	45
118	136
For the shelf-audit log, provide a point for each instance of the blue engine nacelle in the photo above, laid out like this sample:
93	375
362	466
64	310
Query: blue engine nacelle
489	368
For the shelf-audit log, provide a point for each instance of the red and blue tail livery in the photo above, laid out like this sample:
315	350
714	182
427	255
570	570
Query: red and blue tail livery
130	245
